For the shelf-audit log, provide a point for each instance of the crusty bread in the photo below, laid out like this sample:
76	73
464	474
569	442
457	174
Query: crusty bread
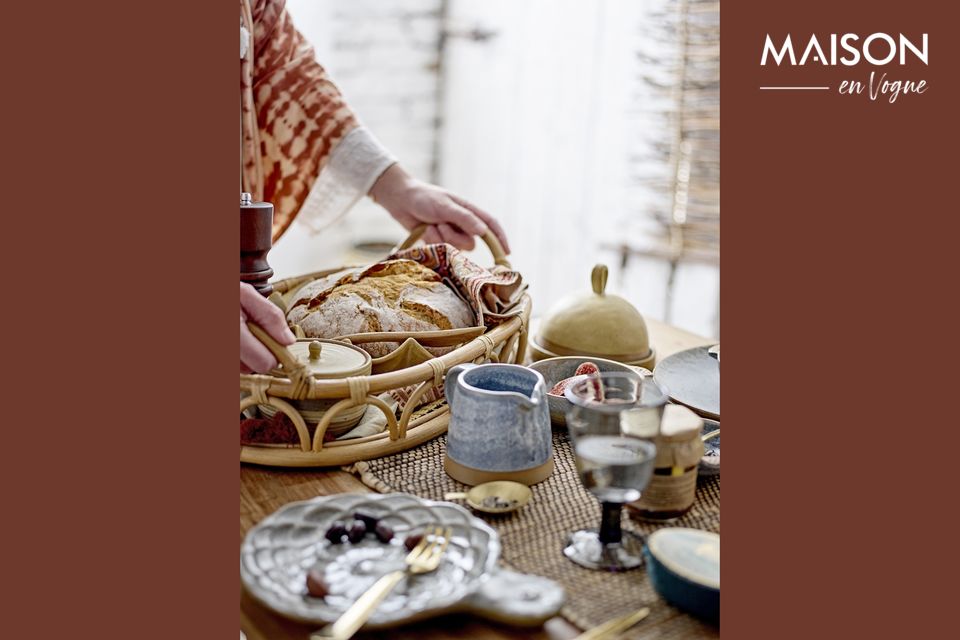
394	295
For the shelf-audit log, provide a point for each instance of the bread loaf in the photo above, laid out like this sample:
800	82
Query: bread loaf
394	295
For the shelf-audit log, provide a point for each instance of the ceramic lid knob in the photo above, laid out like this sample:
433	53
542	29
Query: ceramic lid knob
315	348
599	279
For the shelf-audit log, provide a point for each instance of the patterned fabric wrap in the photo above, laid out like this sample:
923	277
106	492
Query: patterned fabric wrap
493	294
292	115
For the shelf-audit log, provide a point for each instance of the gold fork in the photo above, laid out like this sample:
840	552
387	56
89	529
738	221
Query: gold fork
424	558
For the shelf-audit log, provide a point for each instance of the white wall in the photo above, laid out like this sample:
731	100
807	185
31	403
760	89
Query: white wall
381	54
539	125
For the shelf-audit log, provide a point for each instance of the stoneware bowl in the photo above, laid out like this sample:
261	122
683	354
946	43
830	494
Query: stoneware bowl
554	370
684	568
278	552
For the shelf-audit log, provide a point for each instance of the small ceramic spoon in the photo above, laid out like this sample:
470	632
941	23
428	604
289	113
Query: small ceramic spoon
490	496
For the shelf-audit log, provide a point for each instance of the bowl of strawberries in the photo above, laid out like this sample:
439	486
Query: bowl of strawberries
560	372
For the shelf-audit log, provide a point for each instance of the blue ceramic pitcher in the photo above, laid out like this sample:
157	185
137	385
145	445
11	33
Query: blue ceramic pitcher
499	424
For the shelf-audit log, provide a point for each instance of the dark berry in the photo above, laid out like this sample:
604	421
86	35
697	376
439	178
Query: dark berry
370	521
412	541
316	587
336	532
384	533
357	530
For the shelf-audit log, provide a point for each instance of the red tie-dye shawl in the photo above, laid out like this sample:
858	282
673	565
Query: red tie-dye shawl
292	115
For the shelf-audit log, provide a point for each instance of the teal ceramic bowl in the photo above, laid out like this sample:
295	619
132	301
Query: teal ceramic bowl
684	568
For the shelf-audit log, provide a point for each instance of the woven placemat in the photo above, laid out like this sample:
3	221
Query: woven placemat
533	538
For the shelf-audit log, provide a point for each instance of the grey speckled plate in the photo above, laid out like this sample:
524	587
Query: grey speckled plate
277	553
692	378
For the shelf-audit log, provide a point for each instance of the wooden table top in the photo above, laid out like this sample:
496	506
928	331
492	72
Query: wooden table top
263	490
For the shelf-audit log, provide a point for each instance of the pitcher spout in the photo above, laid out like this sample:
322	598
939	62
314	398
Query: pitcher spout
535	398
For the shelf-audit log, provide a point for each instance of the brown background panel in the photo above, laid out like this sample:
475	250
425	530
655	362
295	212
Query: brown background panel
120	181
120	195
839	301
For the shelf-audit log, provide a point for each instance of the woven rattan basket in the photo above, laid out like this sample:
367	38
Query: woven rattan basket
506	342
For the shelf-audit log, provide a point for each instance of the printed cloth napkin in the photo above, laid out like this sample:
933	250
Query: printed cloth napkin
493	294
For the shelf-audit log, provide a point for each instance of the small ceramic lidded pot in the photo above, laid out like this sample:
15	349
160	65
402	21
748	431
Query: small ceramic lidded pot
673	486
326	360
499	424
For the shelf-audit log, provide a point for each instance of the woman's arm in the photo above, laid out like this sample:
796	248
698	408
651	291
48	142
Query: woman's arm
254	356
303	146
317	160
451	218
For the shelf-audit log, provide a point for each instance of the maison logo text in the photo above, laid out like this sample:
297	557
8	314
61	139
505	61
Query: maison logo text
882	53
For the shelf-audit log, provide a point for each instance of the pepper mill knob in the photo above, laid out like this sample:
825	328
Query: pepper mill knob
256	235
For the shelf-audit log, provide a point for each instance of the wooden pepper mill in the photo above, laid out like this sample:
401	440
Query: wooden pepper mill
256	230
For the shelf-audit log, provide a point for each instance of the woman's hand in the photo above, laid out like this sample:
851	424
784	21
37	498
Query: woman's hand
451	218
254	356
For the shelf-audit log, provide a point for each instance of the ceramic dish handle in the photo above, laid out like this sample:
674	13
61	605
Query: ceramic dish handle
282	354
496	249
516	598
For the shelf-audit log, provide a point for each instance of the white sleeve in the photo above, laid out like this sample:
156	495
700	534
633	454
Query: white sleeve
354	165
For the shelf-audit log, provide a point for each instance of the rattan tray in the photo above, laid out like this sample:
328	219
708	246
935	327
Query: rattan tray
506	342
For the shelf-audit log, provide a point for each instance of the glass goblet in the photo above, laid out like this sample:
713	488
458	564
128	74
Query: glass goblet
614	421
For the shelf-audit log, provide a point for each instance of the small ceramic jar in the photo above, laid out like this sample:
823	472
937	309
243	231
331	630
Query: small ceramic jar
673	486
326	360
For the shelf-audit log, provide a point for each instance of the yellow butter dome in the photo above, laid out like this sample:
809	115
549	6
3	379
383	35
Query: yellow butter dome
594	324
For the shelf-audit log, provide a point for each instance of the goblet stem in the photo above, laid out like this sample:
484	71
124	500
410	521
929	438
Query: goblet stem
610	523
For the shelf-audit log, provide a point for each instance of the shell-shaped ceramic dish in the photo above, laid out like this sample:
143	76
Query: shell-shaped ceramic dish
277	553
